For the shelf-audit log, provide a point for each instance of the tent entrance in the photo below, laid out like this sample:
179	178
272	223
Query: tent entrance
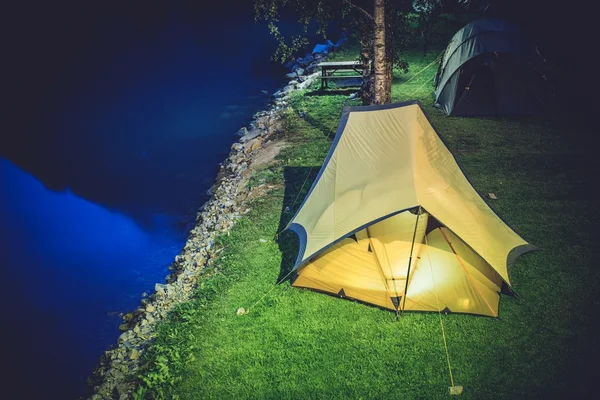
497	83
476	90
395	241
373	267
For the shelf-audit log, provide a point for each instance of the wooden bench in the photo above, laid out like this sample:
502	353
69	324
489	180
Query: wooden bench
333	70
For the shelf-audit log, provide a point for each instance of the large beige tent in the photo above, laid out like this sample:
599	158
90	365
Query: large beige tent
391	220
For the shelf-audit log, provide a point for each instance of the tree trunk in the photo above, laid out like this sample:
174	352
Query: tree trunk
366	47
382	94
389	74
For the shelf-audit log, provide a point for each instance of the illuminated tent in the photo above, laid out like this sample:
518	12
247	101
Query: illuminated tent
391	220
490	67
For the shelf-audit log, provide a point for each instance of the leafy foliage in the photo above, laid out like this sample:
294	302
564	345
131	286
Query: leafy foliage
321	12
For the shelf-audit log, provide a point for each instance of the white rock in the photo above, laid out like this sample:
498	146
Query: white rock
249	136
237	147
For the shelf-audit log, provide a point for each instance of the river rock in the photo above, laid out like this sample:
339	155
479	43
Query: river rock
237	147
252	145
249	136
134	354
303	62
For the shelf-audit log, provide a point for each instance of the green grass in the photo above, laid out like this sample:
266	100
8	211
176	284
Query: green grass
299	344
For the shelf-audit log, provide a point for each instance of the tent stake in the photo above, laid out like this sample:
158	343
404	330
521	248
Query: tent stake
412	246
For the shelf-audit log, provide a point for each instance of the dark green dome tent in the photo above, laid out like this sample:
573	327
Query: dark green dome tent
490	67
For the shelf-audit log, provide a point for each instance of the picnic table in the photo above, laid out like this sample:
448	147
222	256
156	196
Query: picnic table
331	70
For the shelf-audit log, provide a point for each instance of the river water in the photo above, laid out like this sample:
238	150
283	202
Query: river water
117	118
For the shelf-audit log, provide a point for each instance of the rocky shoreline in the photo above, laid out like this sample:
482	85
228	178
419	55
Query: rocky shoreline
259	143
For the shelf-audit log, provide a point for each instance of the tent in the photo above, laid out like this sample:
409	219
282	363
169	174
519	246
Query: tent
490	67
392	221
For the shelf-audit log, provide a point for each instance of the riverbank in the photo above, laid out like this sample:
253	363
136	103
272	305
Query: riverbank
259	143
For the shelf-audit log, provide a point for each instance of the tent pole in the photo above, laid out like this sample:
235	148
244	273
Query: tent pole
412	246
379	265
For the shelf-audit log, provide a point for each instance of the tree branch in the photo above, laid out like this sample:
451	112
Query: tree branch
359	9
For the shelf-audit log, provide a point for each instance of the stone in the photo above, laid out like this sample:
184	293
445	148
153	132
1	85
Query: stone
237	147
252	145
291	75
126	336
242	131
306	83
305	61
150	308
311	69
319	57
241	311
134	354
249	136
300	71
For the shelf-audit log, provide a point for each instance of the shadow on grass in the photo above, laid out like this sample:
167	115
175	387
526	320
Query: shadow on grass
328	131
322	119
297	181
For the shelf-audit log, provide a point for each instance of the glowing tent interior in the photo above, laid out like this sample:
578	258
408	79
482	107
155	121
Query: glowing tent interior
391	220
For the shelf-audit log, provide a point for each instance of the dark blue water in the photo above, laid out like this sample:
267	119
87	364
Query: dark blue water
116	120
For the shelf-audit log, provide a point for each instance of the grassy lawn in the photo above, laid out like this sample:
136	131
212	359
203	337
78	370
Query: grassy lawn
299	344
